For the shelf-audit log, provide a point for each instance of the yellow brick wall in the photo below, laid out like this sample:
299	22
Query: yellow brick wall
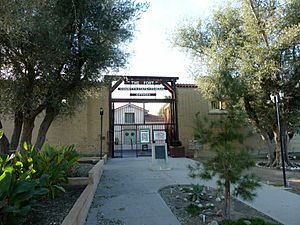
82	129
191	103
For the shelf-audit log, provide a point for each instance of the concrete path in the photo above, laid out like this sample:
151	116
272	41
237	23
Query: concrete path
128	194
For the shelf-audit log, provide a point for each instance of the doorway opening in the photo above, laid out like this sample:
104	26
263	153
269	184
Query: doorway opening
134	124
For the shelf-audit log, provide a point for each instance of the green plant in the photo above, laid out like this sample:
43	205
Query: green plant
193	209
225	138
56	162
196	190
246	221
18	189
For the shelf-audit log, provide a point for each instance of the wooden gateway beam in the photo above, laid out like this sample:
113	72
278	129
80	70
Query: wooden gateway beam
143	100
168	83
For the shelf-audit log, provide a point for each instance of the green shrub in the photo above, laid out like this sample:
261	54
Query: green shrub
56	162
245	221
193	210
18	191
26	175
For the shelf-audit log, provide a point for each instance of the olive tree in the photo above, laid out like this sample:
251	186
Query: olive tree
244	52
55	50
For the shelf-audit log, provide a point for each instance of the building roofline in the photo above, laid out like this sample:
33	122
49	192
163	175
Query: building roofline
186	85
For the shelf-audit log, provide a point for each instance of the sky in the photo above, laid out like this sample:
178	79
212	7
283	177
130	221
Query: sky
151	50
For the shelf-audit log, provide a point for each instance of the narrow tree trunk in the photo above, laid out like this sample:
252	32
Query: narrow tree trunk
227	201
18	123
44	127
286	152
277	159
4	143
27	131
270	146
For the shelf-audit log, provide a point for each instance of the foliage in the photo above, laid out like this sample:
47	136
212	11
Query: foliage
193	210
225	138
196	190
18	189
56	162
242	53
55	50
246	221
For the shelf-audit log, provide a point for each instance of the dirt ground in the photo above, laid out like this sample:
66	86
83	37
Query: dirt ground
53	211
274	177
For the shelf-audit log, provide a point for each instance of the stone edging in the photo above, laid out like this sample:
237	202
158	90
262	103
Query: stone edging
80	209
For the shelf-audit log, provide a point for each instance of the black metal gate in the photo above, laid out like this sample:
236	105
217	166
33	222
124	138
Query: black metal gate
134	140
126	140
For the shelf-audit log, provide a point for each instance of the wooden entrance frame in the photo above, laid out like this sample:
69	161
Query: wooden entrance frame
169	84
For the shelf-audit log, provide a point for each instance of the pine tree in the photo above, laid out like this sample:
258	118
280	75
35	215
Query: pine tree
225	137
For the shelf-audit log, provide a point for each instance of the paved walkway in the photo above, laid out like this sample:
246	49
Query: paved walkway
128	193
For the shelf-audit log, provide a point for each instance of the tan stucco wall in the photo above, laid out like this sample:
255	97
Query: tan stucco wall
191	103
82	129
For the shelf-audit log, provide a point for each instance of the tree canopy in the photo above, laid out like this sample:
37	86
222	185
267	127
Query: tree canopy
55	50
246	51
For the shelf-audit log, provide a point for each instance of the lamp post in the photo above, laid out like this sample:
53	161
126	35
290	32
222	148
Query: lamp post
101	130
276	99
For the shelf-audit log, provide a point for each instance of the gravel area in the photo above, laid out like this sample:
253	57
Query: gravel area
180	197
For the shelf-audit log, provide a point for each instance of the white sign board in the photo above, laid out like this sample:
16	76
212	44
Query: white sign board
159	135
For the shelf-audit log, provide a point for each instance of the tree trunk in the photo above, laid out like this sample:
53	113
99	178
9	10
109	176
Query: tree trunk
27	131
44	127
4	143
271	147
286	141
18	123
227	201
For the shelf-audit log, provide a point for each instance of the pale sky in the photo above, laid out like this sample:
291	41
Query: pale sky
151	50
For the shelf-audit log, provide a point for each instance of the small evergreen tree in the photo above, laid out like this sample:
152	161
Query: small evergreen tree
231	158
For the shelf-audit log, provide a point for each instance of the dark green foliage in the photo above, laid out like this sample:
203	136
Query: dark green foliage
26	175
18	189
193	210
197	192
56	162
59	49
246	221
225	138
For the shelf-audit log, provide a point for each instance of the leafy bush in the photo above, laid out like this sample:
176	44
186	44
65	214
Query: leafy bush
56	162
18	191
245	221
26	175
